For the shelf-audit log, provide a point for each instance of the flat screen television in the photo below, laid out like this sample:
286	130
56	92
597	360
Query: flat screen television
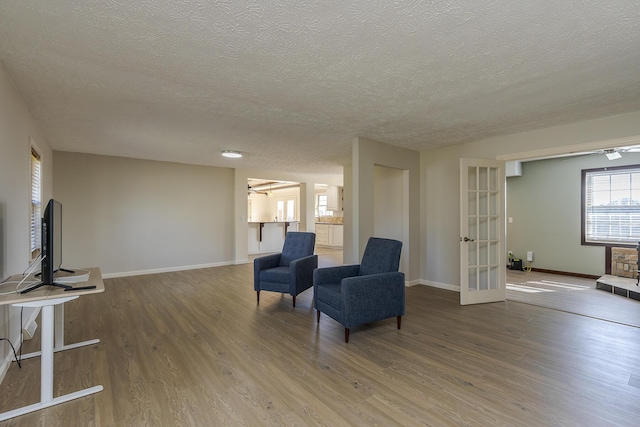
51	241
51	247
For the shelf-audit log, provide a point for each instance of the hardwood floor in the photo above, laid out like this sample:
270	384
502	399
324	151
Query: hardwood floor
571	294
193	348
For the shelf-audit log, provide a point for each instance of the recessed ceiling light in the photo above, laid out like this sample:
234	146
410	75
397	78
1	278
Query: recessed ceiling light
231	154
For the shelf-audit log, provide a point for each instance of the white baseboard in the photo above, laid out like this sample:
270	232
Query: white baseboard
165	270
410	283
438	285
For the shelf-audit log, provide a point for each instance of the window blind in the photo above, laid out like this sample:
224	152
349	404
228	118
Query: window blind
612	206
36	204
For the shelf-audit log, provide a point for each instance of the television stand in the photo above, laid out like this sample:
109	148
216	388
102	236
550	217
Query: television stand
60	269
39	285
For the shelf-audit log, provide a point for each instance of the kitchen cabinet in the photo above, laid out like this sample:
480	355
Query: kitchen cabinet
322	234
329	235
334	198
336	235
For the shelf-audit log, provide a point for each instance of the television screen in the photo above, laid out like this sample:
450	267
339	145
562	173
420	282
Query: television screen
51	246
51	241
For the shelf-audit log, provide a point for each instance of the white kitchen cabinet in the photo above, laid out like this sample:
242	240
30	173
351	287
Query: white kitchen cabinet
322	234
334	198
329	235
336	235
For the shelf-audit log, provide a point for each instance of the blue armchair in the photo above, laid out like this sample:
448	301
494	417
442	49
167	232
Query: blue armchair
364	293
290	271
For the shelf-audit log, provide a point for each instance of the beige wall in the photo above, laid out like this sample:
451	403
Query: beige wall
360	213
17	129
131	216
440	174
389	217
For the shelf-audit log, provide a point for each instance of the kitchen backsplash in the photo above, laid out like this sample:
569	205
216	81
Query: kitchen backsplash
331	219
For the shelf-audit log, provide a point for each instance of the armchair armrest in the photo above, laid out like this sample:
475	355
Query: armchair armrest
326	275
302	273
263	263
373	297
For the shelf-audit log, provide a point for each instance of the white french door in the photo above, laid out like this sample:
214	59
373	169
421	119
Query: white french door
482	231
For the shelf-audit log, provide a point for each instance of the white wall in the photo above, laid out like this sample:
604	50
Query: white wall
17	127
264	209
349	235
131	216
441	186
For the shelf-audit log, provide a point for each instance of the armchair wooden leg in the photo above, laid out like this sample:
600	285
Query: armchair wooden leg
318	315
399	321
346	335
258	296
294	301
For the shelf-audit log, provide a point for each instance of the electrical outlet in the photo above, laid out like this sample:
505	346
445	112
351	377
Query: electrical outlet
529	256
29	330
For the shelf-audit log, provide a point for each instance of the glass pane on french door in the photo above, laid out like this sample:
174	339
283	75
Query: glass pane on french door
482	231
484	222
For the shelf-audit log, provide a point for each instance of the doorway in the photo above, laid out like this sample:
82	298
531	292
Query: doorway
544	209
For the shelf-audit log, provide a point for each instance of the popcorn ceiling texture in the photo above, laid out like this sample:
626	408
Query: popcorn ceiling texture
292	82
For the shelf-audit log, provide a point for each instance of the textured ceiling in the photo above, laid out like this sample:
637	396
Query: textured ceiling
292	82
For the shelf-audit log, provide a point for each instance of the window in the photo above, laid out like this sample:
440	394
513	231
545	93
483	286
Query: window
36	204
322	205
611	205
286	210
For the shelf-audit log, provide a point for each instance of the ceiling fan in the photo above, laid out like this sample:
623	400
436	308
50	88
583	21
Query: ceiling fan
251	190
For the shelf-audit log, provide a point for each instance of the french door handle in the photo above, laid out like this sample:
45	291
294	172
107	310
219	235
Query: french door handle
466	239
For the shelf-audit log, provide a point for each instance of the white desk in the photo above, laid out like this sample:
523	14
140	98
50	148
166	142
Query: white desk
52	300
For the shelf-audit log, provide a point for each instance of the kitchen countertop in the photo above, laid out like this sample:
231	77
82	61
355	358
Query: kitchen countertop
271	222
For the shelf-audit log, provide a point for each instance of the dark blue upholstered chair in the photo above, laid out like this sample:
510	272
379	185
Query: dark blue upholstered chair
358	294
290	271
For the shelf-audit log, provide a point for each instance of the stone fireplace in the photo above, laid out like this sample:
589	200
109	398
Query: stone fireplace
624	262
623	279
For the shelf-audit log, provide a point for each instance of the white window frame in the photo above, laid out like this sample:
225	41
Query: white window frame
322	201
611	206
288	204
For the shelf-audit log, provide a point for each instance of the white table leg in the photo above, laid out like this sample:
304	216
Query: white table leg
46	360
46	365
59	335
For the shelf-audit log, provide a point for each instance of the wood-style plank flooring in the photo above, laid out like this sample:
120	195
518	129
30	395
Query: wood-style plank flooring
192	348
571	294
